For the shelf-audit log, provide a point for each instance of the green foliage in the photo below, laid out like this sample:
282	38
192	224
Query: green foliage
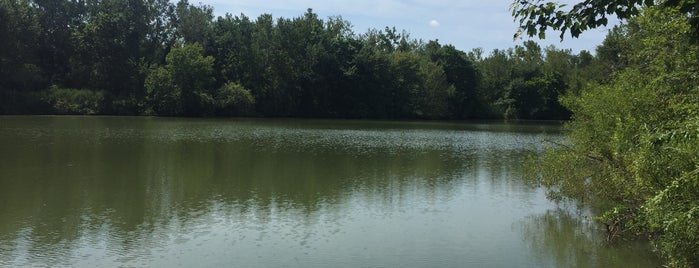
19	63
160	58
183	85
633	146
234	100
536	98
399	96
73	101
460	71
526	82
110	46
436	94
163	97
673	214
536	16
193	22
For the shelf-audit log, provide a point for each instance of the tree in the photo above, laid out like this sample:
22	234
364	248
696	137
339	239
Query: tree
59	20
161	31
232	42
526	82
19	61
496	74
574	71
537	98
536	16
183	86
632	150
193	23
614	50
110	47
462	74
436	93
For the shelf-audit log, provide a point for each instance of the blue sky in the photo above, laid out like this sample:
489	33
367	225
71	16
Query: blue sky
466	24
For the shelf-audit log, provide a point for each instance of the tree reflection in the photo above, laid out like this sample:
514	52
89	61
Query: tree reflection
130	187
567	238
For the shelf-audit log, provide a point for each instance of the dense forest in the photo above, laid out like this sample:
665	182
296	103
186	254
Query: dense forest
632	147
154	57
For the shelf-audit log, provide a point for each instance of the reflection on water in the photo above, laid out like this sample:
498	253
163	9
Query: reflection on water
562	238
91	191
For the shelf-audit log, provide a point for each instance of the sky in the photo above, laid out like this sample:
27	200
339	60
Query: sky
466	24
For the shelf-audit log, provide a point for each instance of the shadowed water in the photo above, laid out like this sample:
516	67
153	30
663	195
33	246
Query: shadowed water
162	192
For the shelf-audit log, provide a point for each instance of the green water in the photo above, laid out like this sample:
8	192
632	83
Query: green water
164	192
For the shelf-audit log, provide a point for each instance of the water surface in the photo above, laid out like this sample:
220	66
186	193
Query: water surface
165	192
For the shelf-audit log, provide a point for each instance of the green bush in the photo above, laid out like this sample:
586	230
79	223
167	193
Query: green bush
74	101
234	100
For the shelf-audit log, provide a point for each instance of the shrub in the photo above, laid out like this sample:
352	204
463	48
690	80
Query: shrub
234	100
73	101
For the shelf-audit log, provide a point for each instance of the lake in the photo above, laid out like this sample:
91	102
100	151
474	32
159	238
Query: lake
172	192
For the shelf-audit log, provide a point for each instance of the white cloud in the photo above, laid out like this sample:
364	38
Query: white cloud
434	23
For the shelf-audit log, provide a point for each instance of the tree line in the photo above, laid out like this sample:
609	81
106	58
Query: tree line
154	57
